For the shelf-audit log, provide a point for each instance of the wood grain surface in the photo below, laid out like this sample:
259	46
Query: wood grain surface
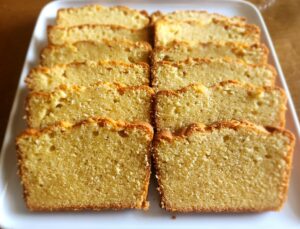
17	19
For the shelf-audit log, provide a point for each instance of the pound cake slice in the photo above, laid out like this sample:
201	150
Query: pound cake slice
180	51
224	101
226	167
97	14
93	165
96	51
195	32
87	73
129	104
172	76
193	15
61	35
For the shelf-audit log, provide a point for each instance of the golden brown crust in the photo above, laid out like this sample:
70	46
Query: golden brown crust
114	207
170	137
215	210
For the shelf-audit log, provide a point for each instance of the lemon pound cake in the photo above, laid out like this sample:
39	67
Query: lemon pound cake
96	51
224	101
78	103
172	76
60	35
194	15
226	167
87	73
195	32
180	51
108	168
96	14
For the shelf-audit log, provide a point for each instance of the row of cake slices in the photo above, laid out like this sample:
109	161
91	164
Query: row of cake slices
109	78
94	71
226	169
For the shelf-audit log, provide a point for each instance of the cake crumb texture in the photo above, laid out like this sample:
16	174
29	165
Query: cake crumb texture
173	76
194	15
44	78
195	32
181	51
60	35
79	103
97	14
96	164
100	91
224	101
105	50
227	167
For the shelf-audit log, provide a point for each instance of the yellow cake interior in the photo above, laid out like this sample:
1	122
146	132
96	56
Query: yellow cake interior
225	101
92	165
224	169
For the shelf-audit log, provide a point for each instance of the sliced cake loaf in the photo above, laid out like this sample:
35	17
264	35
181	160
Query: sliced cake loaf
225	101
96	51
180	51
61	35
97	14
193	15
87	73
95	164
172	76
78	103
195	32
226	167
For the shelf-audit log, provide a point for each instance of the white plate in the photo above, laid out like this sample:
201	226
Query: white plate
13	213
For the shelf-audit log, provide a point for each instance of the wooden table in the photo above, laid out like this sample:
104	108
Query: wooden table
17	19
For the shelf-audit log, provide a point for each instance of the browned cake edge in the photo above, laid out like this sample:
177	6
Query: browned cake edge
120	88
109	43
115	28
122	8
158	15
170	137
247	87
45	69
195	61
65	125
235	48
249	28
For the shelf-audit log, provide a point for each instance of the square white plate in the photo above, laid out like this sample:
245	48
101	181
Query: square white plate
13	213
